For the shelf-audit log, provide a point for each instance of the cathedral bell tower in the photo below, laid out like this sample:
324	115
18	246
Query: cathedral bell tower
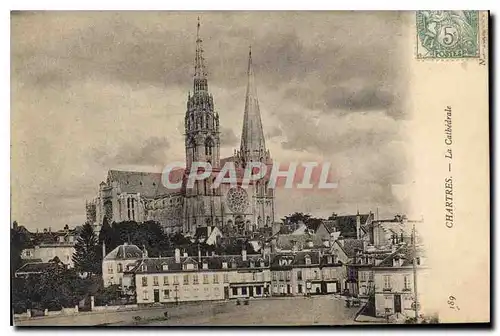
202	139
202	143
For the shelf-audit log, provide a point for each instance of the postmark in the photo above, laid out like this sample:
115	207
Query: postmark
447	34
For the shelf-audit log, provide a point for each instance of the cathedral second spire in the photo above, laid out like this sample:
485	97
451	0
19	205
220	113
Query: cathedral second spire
253	145
200	74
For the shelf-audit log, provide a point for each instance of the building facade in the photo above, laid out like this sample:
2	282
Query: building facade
394	282
49	245
118	261
189	278
141	196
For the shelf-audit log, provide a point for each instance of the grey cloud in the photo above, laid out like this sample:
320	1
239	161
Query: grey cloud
367	152
151	152
302	134
323	62
144	47
227	137
274	132
363	99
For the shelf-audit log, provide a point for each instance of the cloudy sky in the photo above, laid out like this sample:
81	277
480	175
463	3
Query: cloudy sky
92	91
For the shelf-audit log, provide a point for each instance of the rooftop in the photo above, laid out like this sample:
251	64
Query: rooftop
124	252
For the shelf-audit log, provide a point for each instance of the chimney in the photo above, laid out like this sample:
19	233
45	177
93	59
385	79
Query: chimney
244	254
358	226
177	255
103	249
199	254
50	228
144	252
185	254
209	231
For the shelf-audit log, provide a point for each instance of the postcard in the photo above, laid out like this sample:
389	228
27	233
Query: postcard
249	168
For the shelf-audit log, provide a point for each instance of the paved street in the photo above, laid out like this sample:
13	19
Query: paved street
316	310
319	310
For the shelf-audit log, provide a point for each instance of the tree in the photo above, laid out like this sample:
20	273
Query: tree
108	295
106	236
295	218
19	239
333	216
177	239
153	238
86	257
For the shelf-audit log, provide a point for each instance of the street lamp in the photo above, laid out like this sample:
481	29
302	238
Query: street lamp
415	272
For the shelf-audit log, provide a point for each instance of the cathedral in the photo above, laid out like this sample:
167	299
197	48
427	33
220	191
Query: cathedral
142	196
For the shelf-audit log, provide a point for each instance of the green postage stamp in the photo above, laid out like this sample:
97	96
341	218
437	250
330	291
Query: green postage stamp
447	34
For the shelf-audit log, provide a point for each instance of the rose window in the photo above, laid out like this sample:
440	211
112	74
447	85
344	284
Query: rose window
237	200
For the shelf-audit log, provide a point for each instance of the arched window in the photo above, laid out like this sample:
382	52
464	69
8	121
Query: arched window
192	144
208	146
108	210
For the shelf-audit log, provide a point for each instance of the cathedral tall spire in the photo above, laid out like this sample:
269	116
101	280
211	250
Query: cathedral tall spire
201	121
200	74
253	146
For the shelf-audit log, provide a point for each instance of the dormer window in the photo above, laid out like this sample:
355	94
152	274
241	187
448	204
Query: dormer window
224	265
262	263
252	263
308	260
188	266
144	268
205	265
164	267
233	264
329	259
